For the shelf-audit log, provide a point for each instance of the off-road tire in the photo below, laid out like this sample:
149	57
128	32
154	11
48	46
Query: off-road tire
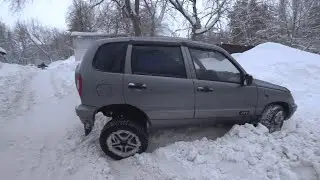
270	120
127	125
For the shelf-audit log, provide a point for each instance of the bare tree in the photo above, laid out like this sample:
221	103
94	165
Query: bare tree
300	23
22	43
146	16
204	20
60	44
81	17
29	41
17	5
153	13
111	19
132	11
249	21
40	37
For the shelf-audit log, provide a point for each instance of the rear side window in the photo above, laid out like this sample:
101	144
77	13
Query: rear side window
158	60
111	57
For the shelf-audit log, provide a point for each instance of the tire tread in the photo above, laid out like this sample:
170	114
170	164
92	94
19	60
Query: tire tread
116	125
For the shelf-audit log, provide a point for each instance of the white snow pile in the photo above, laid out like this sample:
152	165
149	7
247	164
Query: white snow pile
13	80
2	51
63	80
42	138
292	68
246	152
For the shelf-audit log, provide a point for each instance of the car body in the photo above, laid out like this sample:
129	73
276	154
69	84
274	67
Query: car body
172	101
146	83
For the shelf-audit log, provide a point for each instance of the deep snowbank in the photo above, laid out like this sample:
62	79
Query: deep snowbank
62	76
13	80
246	152
41	137
293	68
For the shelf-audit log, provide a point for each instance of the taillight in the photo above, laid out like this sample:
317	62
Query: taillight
79	84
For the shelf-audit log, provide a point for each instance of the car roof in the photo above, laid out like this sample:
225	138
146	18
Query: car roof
157	40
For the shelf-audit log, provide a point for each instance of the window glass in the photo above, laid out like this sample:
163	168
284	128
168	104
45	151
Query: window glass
214	66
158	61
111	57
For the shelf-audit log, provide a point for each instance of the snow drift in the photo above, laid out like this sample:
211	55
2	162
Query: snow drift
246	152
41	137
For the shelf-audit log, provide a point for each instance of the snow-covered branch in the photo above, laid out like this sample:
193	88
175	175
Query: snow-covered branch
210	16
178	5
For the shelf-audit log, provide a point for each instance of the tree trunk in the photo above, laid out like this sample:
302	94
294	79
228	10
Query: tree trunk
194	35
197	25
133	13
153	26
136	25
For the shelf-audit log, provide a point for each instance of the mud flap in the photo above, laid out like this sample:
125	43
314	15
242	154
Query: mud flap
87	128
86	115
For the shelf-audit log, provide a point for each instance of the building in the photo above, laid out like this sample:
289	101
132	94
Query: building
2	55
2	51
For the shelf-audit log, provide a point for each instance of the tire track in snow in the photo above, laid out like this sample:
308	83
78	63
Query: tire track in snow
51	145
31	139
15	95
56	86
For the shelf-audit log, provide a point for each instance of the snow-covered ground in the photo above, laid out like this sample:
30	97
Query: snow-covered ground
42	138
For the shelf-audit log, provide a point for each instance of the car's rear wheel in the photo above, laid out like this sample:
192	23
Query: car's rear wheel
123	138
273	118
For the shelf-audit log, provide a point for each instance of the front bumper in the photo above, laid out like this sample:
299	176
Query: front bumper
86	115
292	110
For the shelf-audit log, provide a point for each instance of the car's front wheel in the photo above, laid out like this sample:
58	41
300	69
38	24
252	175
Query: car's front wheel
123	138
273	118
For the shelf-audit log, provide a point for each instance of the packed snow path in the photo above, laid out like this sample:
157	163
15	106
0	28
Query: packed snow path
41	137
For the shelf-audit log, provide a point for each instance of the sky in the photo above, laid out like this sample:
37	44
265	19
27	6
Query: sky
49	12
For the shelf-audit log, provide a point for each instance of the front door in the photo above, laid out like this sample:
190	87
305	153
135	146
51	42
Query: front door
219	93
158	82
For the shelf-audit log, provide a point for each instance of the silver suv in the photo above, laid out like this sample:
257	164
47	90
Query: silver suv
143	83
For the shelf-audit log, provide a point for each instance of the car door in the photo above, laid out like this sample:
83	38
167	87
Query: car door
219	93
157	82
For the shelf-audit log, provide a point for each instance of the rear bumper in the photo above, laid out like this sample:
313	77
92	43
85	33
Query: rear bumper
292	110
86	114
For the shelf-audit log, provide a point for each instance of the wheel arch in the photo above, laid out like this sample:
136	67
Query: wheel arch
284	105
138	115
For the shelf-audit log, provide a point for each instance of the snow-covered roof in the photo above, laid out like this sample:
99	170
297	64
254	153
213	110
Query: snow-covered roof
2	51
75	33
102	34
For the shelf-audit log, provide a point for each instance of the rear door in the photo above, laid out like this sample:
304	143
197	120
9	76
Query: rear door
219	93
157	82
103	81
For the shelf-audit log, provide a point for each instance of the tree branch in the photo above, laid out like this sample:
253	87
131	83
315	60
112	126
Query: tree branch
97	4
178	6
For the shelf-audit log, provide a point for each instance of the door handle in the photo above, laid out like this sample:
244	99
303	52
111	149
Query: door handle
204	89
137	86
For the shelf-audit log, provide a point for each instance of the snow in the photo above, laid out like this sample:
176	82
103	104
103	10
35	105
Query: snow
42	138
93	34
2	51
76	33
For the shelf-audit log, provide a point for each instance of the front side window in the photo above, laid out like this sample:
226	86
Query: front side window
111	57
158	60
214	66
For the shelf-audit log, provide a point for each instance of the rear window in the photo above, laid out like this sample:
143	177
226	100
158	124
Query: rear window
111	57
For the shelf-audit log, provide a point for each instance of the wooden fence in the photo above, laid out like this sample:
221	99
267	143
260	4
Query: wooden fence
233	48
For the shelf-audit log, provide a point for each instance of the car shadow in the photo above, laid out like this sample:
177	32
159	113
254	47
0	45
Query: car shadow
165	137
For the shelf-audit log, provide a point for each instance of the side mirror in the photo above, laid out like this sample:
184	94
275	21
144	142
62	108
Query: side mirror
247	80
